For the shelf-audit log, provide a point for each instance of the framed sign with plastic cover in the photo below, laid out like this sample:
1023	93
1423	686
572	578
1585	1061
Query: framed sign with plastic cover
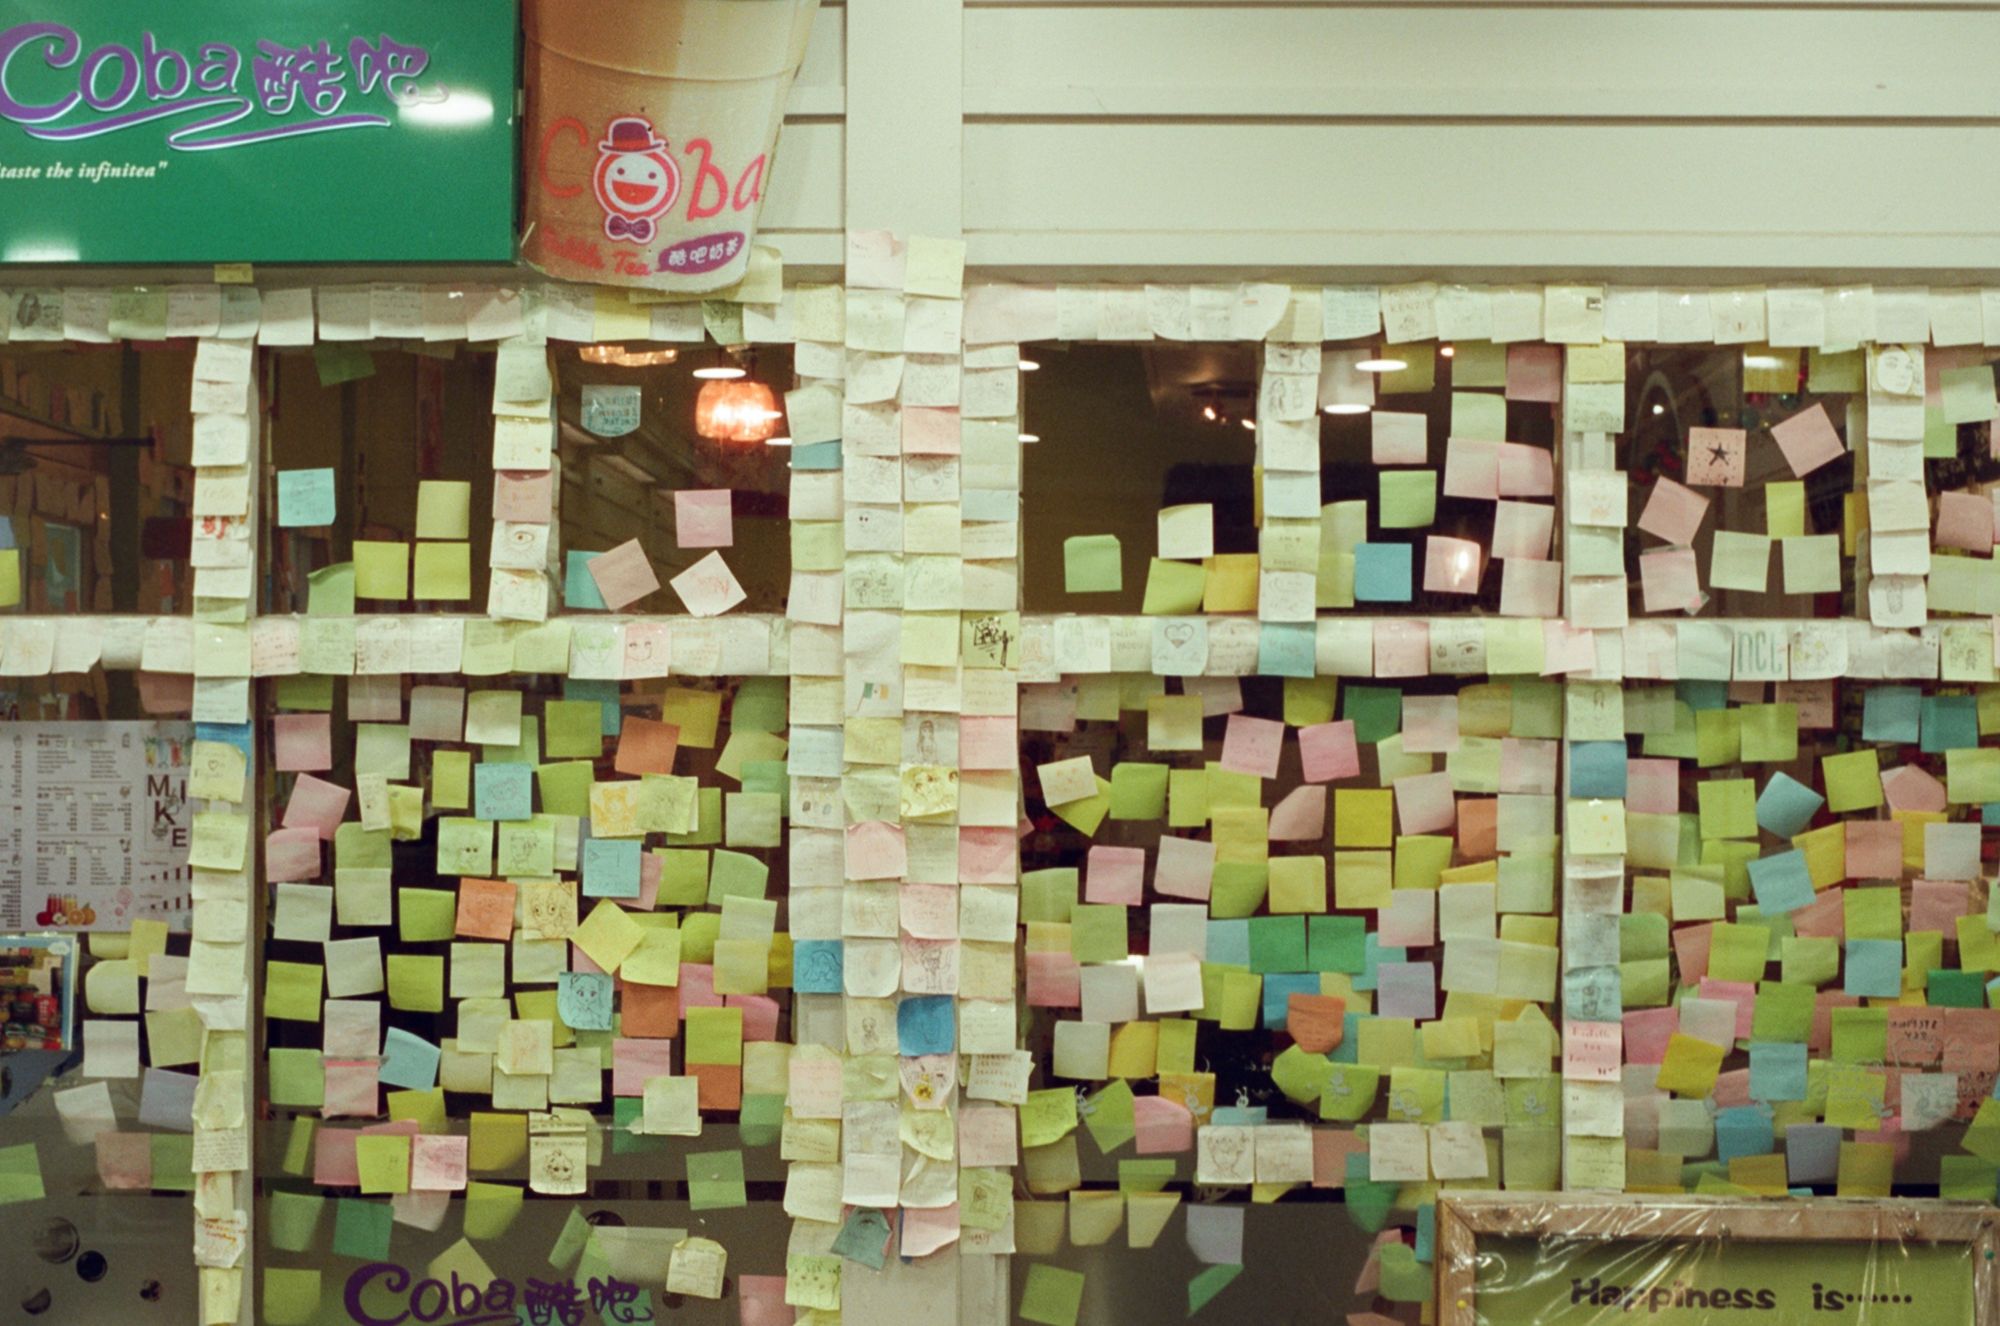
1676	1261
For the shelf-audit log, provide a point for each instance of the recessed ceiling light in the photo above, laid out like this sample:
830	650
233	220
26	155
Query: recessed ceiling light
718	373
1028	365
777	441
1761	361
1381	365
1250	424
1029	437
1347	407
1446	351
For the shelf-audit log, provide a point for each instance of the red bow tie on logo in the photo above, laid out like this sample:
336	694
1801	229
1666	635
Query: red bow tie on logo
638	229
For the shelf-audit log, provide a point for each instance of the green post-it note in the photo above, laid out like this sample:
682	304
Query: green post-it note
490	1208
339	362
291	1295
1109	1116
1138	791
293	1219
330	591
361	1229
381	569
1173	588
1210	1282
1092	564
444	571
715	1180
1053	1295
20	1174
1409	498
173	1162
384	1162
1479	414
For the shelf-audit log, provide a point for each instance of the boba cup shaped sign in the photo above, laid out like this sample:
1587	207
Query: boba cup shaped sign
651	128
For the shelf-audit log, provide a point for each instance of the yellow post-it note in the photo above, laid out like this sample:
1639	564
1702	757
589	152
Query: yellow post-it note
444	571
444	509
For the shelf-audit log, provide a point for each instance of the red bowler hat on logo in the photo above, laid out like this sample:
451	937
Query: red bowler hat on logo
631	133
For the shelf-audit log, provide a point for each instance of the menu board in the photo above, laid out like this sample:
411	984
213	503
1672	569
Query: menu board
96	825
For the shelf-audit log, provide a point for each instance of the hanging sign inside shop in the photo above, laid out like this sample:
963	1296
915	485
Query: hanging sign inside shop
650	130
238	131
610	411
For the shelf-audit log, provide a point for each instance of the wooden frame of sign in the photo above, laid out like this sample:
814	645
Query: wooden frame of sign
1462	1219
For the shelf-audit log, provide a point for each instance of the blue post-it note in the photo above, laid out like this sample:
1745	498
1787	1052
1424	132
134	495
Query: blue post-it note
583	1000
1382	573
1890	713
502	791
579	586
7	533
611	868
1874	968
817	966
1812	1153
1597	769
408	1061
1285	649
816	456
864	1238
1786	806
1228	943
1782	883
305	497
1699	695
1744	1130
1279	987
925	1024
1950	722
1777	1070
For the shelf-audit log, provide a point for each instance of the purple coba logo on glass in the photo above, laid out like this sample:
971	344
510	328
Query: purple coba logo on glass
58	91
704	254
385	1294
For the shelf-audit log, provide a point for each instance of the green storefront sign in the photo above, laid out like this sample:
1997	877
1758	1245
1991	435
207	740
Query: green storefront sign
1528	1282
251	131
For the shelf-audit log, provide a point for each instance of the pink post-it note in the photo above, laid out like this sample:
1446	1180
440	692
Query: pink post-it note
1674	512
1715	457
437	1163
1451	566
1534	372
703	518
1185	868
1300	817
1526	471
1592	1051
876	850
523	496
317	805
1965	520
633	1061
302	742
987	742
623	575
1328	752
1251	745
1162	1126
291	855
1115	875
1808	440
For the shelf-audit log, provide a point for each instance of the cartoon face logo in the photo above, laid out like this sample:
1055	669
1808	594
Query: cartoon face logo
635	179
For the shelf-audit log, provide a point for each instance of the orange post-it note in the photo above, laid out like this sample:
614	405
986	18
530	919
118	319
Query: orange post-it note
646	745
485	909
